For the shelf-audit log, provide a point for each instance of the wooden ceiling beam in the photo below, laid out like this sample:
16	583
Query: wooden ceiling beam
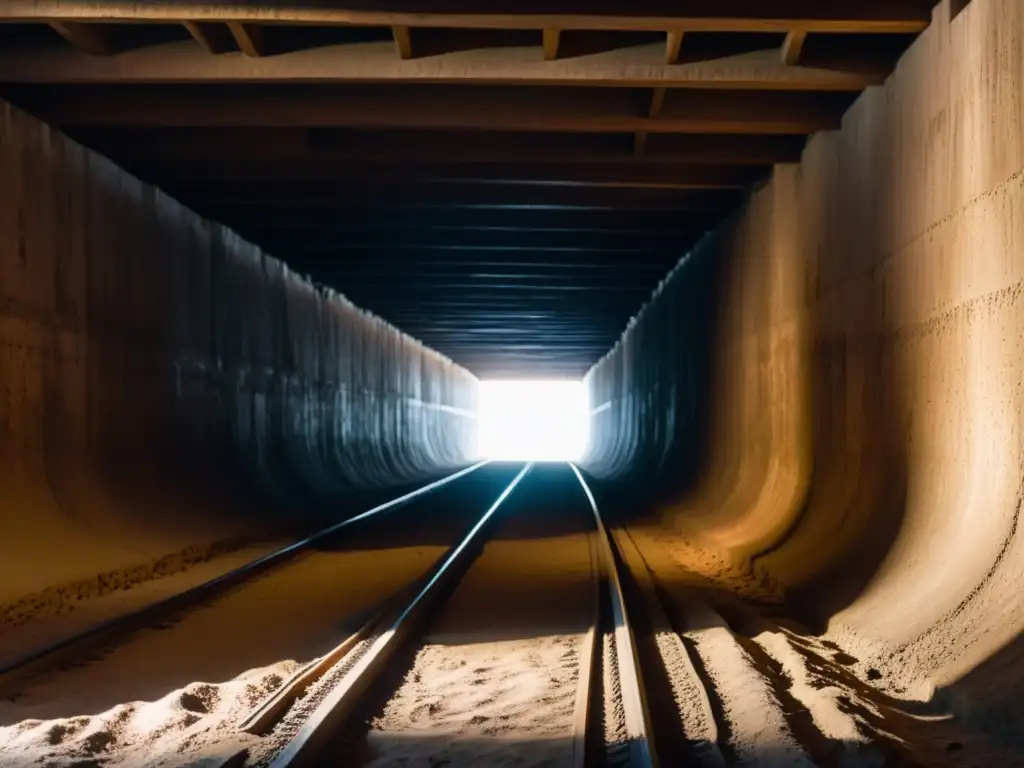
402	35
551	41
440	190
653	176
513	110
209	152
657	102
376	63
90	39
211	37
793	48
673	46
190	150
251	38
865	16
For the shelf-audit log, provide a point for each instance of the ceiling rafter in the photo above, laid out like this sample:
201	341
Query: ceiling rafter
250	38
427	107
847	16
793	48
507	184
376	63
91	39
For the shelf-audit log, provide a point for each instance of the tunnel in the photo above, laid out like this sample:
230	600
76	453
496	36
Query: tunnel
260	260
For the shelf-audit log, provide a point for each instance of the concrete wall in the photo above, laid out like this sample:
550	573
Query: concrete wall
864	449
166	386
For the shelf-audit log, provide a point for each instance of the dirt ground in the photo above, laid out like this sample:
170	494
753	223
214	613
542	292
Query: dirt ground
171	695
495	682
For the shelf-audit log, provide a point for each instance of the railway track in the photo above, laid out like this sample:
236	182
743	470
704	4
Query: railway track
562	644
655	682
305	733
17	675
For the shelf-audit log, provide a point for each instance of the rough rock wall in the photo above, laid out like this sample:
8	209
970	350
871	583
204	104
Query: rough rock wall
165	386
864	453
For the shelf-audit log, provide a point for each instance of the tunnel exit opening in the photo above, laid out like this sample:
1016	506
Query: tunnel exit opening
533	420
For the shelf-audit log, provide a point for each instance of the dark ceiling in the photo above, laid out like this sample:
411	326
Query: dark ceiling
506	181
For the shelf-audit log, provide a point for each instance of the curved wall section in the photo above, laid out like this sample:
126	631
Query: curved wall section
165	386
644	393
863	452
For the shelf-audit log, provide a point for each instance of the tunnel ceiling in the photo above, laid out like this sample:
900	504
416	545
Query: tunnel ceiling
505	180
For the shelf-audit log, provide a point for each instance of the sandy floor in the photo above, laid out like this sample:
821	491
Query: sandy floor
495	683
296	614
172	695
79	616
783	697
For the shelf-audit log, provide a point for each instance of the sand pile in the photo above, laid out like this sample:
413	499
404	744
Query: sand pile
193	726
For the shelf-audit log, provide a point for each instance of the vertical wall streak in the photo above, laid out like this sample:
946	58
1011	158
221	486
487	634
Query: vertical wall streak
165	385
864	454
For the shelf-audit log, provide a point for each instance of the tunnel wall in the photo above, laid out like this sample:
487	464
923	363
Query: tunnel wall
166	386
863	452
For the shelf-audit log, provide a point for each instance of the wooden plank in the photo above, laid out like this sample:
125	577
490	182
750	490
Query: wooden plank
699	213
190	150
209	36
300	193
251	38
793	48
657	102
652	176
673	46
852	16
403	41
91	39
439	108
552	40
375	62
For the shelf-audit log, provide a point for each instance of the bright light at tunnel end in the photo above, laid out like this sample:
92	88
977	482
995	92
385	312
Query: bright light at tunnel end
544	420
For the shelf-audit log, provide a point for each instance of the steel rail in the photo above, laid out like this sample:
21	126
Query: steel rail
30	665
638	721
706	744
587	665
306	747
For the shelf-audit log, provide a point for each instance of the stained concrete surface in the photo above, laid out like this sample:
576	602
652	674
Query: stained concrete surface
168	392
851	439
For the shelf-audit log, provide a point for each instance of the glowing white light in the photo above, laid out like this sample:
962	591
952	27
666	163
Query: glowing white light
533	420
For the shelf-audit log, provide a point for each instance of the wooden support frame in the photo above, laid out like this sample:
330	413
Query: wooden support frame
403	41
251	38
638	67
441	108
209	36
552	41
92	39
673	46
793	48
657	102
840	16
